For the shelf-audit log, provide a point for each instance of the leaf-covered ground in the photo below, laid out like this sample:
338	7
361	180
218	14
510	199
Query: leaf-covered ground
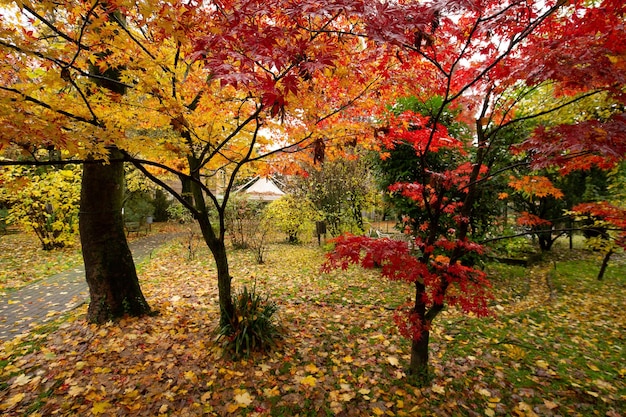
554	347
23	261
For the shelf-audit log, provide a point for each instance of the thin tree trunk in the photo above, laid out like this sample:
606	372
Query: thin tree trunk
109	268
215	241
418	366
605	264
218	249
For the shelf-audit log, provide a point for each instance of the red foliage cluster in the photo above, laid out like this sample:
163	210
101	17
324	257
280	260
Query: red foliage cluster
609	213
579	146
438	279
414	129
531	220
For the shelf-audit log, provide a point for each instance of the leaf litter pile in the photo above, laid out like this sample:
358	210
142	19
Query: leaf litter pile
555	346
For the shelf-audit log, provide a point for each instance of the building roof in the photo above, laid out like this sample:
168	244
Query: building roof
263	189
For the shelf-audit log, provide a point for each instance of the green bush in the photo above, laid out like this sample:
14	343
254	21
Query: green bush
252	327
138	207
179	213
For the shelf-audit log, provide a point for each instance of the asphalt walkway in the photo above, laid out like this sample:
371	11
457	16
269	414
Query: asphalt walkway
33	305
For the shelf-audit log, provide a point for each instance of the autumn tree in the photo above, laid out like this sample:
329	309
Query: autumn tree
68	50
488	59
177	89
341	188
293	216
44	201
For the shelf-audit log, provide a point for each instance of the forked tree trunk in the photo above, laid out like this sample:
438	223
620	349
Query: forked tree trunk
109	268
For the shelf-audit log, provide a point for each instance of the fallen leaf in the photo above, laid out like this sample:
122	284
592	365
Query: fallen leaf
378	411
550	405
309	381
100	407
311	368
13	401
243	398
593	367
21	380
438	389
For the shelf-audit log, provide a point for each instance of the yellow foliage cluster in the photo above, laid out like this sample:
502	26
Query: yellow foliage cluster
46	202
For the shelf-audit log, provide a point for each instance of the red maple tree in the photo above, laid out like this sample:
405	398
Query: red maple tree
487	57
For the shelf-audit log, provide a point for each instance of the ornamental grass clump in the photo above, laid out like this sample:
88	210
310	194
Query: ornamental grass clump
252	327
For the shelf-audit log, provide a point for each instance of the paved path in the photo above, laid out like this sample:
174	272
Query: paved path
43	301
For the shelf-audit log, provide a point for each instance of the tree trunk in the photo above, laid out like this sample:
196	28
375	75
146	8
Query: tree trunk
218	249
418	367
223	280
545	240
214	240
109	268
605	263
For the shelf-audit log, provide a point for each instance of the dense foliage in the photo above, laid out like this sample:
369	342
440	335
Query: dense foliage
45	201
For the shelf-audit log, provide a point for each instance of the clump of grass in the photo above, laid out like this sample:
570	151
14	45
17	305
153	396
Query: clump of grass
252	327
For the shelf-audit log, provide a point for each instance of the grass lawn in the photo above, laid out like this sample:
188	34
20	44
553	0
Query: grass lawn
554	347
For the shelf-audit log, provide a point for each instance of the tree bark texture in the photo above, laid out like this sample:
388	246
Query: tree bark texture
109	267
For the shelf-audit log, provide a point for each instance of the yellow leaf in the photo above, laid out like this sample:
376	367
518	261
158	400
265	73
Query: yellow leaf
542	364
309	380
438	389
346	396
163	409
604	385
100	407
191	376
489	412
484	392
243	399
550	405
75	390
21	380
378	411
232	407
348	359
271	392
311	368
393	360
593	367
364	391
11	402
